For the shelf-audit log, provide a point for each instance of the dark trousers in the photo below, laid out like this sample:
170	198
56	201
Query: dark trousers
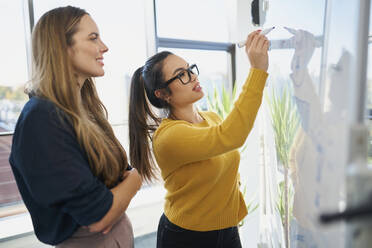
173	236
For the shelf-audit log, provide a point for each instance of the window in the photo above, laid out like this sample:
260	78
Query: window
14	23
193	20
13	64
199	40
8	189
13	77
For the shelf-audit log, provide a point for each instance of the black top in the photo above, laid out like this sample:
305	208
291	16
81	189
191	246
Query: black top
53	174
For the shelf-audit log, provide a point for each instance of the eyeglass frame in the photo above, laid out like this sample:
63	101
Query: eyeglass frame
188	70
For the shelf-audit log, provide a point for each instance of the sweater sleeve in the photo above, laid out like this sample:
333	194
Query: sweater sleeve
182	142
55	169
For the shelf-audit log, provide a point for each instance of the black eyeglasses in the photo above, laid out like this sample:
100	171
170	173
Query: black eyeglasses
185	75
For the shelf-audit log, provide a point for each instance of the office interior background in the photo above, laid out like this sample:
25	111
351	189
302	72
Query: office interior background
205	32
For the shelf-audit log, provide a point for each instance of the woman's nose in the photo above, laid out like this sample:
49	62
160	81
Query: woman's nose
104	48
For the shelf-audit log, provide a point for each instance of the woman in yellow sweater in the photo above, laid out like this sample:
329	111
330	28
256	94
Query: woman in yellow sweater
197	152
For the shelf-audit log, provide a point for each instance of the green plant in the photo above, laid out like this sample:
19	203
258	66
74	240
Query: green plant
285	122
280	205
221	104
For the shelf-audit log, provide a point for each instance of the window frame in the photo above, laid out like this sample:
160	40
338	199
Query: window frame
28	18
164	42
369	110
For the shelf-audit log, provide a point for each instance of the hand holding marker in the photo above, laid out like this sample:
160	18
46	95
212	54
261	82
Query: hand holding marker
263	32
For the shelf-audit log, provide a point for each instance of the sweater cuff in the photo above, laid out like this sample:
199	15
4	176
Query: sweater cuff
257	79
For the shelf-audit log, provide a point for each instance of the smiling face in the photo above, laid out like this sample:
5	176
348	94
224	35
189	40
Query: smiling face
182	94
87	50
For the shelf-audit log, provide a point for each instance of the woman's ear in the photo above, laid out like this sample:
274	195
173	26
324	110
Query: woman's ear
159	94
163	95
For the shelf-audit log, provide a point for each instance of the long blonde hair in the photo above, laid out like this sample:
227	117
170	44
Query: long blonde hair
53	78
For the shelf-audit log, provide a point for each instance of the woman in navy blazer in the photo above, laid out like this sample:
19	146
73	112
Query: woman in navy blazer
71	171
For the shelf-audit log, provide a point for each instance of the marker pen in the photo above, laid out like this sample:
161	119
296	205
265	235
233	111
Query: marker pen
263	32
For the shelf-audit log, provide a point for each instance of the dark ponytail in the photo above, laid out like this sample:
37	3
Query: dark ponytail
142	120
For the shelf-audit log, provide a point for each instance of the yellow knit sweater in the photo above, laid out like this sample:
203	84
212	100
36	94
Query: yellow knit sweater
199	162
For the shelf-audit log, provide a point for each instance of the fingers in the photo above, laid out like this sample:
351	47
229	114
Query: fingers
255	41
266	45
107	230
250	37
261	41
258	42
93	228
257	51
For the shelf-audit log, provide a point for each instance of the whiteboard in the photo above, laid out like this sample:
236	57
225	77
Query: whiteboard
314	51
